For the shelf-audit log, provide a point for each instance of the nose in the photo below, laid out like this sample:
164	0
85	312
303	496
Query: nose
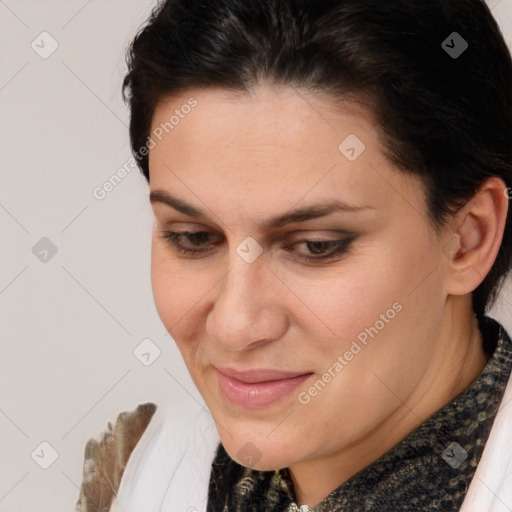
246	312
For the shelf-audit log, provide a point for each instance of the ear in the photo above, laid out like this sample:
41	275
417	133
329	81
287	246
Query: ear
476	235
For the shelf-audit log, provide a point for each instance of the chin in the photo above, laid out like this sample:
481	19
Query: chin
258	455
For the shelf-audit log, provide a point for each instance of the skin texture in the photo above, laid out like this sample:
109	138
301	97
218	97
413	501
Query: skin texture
244	157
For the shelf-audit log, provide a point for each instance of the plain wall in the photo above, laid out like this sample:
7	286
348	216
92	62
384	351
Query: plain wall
70	324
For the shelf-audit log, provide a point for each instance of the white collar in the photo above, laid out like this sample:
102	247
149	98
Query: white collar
169	468
491	487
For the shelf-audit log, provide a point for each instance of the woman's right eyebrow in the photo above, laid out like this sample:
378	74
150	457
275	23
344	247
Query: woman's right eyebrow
296	215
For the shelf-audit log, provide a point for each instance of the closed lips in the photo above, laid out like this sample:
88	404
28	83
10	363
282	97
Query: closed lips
260	375
257	388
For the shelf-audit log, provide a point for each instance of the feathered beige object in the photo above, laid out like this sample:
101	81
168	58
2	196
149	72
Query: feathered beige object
104	461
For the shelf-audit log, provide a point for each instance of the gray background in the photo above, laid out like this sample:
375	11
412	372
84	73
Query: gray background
71	322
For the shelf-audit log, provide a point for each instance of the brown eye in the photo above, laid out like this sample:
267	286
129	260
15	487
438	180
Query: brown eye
324	249
195	238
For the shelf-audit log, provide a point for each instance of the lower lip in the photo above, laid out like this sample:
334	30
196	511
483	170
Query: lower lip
257	395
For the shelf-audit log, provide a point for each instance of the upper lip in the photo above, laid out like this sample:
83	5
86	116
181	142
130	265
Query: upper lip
259	374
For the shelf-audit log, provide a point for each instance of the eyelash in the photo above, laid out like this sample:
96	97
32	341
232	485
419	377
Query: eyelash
173	237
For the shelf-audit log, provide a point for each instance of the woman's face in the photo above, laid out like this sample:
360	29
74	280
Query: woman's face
359	328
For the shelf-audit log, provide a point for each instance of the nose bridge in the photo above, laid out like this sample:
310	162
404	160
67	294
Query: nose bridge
247	268
243	289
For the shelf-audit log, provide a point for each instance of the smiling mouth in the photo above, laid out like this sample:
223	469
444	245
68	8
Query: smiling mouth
256	389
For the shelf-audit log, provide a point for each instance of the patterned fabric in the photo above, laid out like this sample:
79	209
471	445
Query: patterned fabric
425	471
104	461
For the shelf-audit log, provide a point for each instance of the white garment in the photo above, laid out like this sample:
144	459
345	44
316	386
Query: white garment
491	487
169	469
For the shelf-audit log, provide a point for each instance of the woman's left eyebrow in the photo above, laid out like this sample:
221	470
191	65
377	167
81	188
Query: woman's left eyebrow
296	215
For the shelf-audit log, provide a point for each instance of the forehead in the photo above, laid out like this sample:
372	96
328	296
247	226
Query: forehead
275	115
273	144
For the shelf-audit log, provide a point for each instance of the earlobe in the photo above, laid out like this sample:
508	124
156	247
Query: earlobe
481	223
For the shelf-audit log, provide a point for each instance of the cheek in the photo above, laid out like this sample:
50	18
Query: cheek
386	290
175	291
164	285
349	299
182	295
356	312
